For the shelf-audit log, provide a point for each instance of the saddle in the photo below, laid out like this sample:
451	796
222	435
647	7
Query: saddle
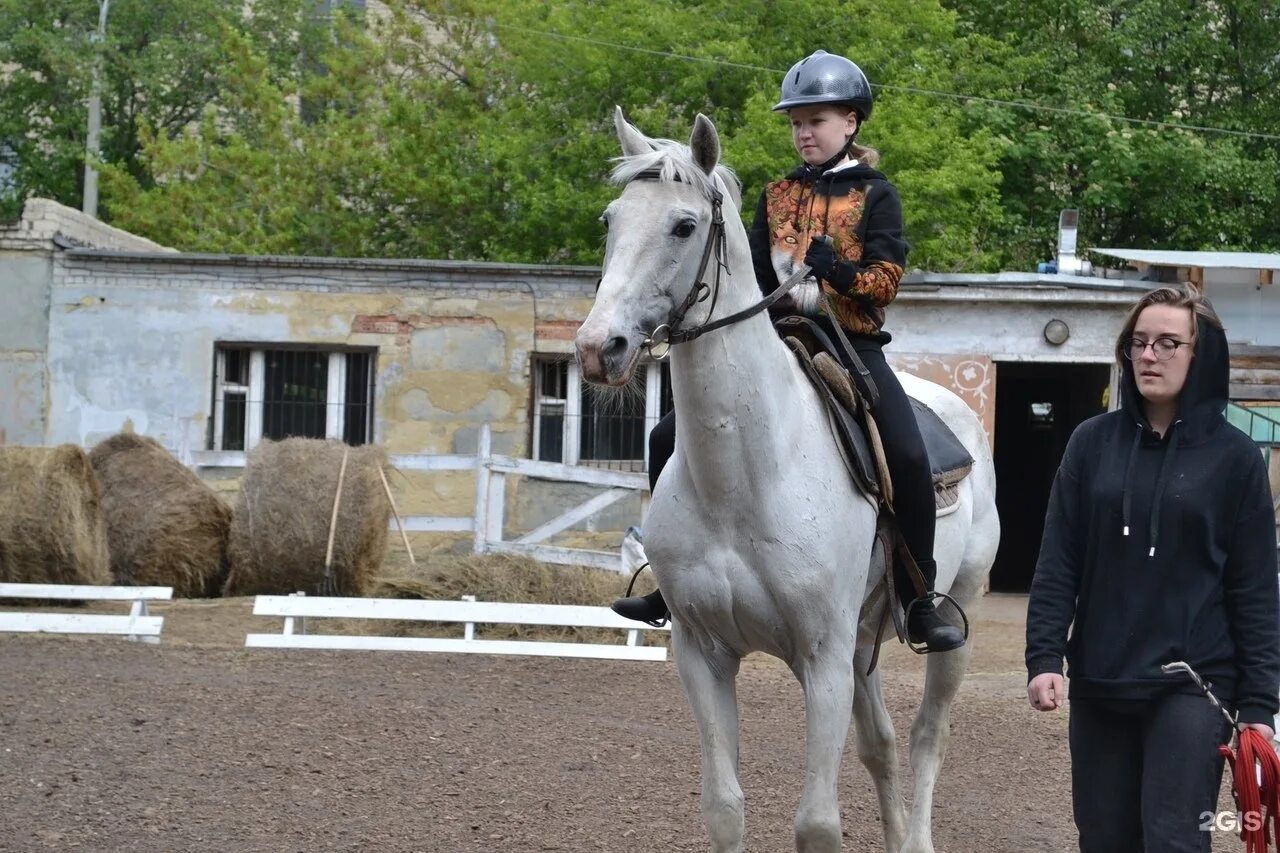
846	397
855	427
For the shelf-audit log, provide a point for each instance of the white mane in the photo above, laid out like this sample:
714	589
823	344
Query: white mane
674	162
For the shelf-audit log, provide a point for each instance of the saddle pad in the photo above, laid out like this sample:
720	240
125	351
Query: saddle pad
949	460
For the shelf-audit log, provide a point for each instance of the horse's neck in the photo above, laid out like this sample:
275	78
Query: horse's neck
732	387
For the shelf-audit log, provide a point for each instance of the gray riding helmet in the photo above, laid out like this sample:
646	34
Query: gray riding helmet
825	78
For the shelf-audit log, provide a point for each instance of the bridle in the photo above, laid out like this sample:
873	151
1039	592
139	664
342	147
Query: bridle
666	335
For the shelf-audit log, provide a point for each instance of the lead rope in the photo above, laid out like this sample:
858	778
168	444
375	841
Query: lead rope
1255	773
1255	785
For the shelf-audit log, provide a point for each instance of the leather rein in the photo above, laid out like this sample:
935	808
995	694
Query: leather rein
661	339
668	334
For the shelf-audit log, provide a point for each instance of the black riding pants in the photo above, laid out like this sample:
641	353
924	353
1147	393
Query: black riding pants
903	447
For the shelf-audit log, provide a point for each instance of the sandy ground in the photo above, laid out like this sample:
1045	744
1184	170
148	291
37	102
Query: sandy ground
198	744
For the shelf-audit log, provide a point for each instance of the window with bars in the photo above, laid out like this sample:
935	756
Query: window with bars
285	392
575	425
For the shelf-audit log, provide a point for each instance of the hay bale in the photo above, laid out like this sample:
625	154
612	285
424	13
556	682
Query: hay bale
51	523
280	529
504	577
165	526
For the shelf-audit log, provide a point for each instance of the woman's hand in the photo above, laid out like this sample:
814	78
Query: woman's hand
1046	691
1261	727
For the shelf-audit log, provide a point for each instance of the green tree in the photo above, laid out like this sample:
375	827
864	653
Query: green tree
159	65
1195	63
483	130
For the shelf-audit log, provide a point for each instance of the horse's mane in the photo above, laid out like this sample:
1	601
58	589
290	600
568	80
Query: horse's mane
674	162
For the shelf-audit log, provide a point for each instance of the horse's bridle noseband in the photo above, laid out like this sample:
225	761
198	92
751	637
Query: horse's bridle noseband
666	335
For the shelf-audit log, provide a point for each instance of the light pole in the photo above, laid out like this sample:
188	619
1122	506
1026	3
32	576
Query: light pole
90	205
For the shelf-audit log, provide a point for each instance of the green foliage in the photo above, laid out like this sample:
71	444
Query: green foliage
468	129
159	60
1191	63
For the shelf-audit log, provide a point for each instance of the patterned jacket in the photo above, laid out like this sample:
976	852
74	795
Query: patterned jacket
860	210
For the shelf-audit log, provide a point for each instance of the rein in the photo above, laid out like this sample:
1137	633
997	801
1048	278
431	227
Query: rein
661	339
668	334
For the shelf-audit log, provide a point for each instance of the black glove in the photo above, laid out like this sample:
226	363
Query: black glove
821	258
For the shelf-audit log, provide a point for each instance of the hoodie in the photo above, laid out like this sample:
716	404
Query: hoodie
860	210
1161	548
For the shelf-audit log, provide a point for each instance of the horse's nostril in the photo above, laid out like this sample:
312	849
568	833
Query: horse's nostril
614	346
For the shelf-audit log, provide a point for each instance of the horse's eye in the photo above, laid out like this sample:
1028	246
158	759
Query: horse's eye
684	228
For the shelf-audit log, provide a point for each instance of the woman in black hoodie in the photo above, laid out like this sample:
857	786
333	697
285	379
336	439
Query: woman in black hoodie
836	193
1159	545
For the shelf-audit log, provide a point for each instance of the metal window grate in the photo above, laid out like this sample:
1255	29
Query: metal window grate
573	424
285	392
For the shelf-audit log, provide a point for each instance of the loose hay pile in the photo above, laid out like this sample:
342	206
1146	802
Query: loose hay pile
280	531
502	577
165	526
51	524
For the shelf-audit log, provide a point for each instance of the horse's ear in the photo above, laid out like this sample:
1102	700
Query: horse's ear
705	144
633	141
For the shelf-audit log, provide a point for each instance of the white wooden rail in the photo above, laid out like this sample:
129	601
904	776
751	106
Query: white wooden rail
487	522
296	608
136	625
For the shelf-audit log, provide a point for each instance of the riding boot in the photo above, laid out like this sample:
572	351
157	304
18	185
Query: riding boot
649	608
925	626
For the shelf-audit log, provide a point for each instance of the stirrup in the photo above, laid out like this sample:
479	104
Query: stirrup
655	623
923	648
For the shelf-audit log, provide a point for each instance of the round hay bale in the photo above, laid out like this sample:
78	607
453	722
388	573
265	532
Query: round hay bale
51	524
165	526
280	530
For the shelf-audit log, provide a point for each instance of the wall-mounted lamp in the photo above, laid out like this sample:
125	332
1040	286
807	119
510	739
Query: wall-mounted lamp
1056	332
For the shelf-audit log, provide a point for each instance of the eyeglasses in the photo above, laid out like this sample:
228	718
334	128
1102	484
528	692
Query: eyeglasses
1162	348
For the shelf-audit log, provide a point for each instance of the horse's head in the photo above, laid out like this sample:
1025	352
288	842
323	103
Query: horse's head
658	228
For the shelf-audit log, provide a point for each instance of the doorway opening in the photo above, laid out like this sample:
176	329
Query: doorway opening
1038	406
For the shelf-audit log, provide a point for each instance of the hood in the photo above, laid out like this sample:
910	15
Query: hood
1205	394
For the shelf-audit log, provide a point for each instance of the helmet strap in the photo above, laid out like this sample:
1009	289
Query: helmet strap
814	172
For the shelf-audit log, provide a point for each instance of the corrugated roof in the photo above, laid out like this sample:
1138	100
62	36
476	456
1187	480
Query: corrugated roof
1206	260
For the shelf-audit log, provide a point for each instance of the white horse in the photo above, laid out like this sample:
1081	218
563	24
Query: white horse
757	535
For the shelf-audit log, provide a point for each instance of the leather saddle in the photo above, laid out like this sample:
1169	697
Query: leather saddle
854	425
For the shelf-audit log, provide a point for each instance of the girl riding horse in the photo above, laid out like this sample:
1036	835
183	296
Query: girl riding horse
837	194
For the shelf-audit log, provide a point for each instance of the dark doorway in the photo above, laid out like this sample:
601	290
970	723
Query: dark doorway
1037	408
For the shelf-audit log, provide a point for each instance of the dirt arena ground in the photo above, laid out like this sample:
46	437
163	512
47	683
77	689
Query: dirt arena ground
198	744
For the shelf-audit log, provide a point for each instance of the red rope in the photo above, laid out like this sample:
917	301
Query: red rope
1258	805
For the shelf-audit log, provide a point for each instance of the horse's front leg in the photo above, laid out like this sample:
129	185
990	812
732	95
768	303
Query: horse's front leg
878	747
709	674
932	727
826	675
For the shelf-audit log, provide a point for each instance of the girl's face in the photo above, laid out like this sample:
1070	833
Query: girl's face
1161	381
819	132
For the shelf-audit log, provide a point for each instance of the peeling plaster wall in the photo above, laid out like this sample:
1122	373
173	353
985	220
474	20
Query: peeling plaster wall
24	337
131	339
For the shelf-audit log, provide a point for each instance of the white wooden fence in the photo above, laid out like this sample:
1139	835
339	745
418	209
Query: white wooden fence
487	522
297	608
136	625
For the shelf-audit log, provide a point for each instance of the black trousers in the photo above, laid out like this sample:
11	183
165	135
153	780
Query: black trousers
904	451
1145	773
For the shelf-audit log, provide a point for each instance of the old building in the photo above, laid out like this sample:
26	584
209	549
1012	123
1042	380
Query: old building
212	353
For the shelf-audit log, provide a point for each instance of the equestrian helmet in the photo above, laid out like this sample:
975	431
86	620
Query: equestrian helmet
825	78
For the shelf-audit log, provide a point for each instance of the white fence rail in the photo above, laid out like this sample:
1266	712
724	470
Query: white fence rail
488	520
296	609
137	625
